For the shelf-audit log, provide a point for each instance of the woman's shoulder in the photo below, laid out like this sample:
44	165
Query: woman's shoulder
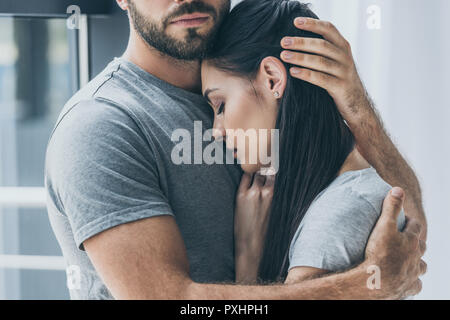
353	195
362	185
336	227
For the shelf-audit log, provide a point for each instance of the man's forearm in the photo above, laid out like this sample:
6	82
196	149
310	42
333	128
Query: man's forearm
377	148
350	285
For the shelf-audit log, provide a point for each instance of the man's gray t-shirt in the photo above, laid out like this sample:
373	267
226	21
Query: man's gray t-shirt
334	231
109	163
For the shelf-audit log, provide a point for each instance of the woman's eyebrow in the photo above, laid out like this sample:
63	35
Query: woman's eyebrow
207	92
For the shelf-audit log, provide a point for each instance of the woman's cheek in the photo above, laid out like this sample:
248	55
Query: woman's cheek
235	118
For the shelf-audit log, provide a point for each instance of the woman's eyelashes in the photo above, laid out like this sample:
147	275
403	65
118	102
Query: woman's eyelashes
221	108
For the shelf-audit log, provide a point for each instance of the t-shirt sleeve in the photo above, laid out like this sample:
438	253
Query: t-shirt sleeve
334	232
101	170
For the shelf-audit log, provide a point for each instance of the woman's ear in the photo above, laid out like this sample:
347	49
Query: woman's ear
273	76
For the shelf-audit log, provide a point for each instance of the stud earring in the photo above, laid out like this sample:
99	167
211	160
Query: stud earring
276	94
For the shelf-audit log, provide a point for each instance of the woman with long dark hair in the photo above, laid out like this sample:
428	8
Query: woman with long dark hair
326	198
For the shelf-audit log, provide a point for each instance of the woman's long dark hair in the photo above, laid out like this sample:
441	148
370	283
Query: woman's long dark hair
314	140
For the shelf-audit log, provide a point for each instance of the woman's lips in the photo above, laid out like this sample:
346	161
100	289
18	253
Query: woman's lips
192	20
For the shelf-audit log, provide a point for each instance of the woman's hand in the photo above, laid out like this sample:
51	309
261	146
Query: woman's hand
253	201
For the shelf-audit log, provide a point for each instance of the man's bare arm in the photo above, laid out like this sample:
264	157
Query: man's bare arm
332	67
147	259
375	145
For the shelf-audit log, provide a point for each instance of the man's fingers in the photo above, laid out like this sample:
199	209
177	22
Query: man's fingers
392	205
422	247
317	78
423	267
313	62
324	28
413	227
313	45
415	289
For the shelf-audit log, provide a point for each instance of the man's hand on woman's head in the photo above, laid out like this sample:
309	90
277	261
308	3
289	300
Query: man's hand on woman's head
327	63
397	254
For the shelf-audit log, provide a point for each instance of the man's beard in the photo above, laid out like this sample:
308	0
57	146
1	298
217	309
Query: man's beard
194	46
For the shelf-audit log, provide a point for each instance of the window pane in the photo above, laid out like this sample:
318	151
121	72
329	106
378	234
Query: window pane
37	76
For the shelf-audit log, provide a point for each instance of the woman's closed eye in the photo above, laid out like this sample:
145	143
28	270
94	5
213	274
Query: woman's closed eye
221	108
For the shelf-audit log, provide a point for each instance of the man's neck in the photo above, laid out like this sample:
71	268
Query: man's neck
180	73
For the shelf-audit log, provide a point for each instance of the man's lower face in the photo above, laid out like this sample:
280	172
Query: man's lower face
187	42
185	39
